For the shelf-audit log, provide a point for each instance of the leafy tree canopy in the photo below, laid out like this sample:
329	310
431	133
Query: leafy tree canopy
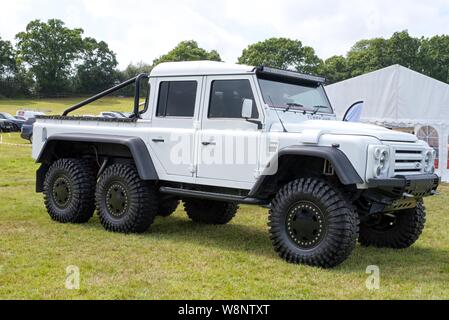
97	71
281	53
50	50
7	59
188	51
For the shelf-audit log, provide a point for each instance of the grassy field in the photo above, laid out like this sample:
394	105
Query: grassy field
57	106
177	259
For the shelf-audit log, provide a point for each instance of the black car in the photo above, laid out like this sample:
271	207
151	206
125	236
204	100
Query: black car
17	122
7	126
27	129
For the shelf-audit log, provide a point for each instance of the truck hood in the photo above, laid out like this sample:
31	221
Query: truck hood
313	129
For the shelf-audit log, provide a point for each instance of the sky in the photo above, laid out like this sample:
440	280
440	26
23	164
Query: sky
142	30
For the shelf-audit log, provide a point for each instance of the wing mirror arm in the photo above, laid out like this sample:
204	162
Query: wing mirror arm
258	122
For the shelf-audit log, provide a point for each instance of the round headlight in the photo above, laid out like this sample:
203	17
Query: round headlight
377	153
383	160
378	171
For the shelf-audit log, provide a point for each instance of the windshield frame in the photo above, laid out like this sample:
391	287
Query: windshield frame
298	82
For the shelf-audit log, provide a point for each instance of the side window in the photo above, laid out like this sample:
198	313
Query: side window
177	99
227	96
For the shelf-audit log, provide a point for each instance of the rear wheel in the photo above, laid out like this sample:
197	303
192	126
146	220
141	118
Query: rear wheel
124	202
69	189
398	230
210	212
311	223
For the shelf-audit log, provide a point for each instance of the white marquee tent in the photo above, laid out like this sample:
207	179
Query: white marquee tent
397	97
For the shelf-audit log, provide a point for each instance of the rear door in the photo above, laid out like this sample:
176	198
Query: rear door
175	123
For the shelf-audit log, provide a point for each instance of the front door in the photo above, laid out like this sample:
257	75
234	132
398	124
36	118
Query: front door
228	145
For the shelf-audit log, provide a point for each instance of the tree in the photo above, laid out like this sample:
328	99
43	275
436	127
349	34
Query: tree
130	72
188	51
434	56
404	50
335	69
281	53
133	70
50	50
373	54
7	60
97	70
14	79
367	55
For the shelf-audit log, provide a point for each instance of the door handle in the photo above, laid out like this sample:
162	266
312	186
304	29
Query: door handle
209	143
158	140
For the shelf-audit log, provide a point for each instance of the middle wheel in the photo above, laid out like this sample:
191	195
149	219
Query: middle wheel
210	212
124	202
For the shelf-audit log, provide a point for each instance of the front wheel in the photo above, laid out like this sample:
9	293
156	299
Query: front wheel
311	223
398	230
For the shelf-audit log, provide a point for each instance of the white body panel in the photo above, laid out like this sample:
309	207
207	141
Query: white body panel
163	135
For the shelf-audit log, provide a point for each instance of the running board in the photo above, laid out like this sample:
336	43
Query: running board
212	196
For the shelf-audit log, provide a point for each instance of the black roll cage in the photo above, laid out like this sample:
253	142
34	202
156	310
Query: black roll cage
136	80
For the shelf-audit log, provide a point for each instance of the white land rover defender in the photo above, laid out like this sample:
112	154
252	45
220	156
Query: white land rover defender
216	135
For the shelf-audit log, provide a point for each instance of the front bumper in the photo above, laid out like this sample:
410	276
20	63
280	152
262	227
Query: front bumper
417	186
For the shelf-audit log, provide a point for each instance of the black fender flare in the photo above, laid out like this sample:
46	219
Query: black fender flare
136	146
343	167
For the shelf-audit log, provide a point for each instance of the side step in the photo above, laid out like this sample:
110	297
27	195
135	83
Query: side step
212	196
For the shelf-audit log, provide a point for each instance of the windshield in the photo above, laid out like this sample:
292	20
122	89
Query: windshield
8	116
294	96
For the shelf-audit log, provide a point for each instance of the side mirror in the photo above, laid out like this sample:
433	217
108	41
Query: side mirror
247	108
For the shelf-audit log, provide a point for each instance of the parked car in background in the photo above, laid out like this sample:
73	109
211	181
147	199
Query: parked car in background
6	126
27	130
115	115
26	114
17	122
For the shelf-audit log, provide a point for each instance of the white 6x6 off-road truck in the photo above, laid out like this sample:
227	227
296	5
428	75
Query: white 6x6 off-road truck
216	135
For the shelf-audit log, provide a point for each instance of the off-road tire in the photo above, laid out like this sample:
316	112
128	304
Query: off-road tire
125	203
167	206
210	212
405	229
333	222
69	189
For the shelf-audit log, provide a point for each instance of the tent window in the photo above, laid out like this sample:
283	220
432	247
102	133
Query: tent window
430	135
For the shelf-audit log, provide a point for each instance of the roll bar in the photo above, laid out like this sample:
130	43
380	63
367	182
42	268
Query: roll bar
136	80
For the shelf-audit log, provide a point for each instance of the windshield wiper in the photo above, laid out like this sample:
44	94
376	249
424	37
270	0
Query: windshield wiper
292	105
317	108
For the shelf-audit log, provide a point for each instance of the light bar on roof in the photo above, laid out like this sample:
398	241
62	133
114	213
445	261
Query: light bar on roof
289	74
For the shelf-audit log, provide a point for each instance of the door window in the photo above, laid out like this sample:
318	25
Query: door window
227	97
177	99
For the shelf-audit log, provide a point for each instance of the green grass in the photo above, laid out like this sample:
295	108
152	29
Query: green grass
177	259
57	106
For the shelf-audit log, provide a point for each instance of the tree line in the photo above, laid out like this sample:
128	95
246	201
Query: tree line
49	59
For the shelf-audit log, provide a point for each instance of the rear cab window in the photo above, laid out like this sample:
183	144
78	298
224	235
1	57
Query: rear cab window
177	99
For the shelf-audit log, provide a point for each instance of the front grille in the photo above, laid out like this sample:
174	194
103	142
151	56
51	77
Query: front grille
408	161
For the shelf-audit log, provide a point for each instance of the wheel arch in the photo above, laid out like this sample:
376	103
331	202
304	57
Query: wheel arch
343	168
62	145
